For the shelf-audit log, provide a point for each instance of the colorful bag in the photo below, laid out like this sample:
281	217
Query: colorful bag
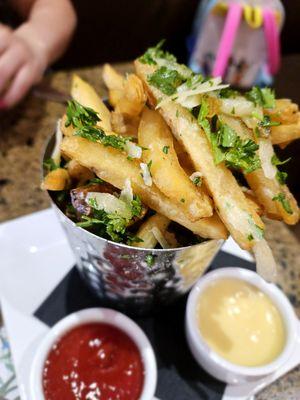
238	40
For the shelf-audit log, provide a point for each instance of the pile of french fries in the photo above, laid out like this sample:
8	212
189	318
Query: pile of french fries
174	173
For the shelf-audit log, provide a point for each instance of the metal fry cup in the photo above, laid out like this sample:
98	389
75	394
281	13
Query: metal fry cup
122	276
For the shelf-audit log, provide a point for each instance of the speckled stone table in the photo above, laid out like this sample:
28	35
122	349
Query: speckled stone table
23	133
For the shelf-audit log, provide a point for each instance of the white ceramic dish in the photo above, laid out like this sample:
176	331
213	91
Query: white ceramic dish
40	250
91	315
214	363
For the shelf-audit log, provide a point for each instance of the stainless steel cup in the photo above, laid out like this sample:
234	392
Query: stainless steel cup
123	277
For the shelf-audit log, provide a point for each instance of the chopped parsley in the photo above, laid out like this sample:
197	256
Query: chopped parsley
267	122
94	181
84	119
250	237
149	165
275	160
50	165
284	202
261	97
280	175
182	200
166	80
150	260
111	225
153	53
197	181
227	93
227	146
79	116
166	149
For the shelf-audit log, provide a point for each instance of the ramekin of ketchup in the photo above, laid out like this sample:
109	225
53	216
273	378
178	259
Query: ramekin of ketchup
94	354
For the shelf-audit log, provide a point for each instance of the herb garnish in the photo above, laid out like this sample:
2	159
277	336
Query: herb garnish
95	181
50	165
79	116
166	149
227	145
156	52
197	181
150	260
284	202
261	97
84	119
166	80
227	93
280	175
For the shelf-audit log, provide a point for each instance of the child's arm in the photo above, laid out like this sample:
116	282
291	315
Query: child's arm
26	52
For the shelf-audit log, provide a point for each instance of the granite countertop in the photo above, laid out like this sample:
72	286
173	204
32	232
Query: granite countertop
23	134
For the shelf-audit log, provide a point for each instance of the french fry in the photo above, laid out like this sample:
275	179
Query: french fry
232	206
265	188
145	233
112	166
126	94
123	125
78	172
284	112
154	135
286	133
86	95
56	180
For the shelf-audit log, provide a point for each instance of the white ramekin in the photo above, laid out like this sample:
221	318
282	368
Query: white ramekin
91	315
214	363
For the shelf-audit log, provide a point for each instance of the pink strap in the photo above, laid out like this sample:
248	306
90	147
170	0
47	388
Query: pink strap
232	24
272	40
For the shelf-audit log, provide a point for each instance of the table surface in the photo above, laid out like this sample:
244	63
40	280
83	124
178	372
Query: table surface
23	133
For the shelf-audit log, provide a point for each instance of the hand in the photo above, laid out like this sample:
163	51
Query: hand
23	60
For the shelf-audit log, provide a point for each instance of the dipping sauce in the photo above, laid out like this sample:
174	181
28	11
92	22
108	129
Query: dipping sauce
93	362
240	323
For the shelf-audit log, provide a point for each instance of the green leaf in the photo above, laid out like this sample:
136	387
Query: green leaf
267	122
261	97
95	134
226	136
166	149
150	260
156	52
95	181
227	93
281	177
78	115
284	202
276	161
197	181
50	165
166	80
136	206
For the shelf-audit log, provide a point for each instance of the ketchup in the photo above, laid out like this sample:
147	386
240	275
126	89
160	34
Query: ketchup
93	362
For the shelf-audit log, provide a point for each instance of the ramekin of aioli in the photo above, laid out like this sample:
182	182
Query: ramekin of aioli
238	326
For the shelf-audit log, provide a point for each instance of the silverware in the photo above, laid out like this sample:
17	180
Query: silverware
46	92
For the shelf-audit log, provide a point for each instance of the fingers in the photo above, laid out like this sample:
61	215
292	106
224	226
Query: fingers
19	87
10	62
5	37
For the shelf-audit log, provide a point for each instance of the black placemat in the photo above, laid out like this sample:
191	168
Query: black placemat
179	376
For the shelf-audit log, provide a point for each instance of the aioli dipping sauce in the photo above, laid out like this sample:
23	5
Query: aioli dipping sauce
240	323
94	361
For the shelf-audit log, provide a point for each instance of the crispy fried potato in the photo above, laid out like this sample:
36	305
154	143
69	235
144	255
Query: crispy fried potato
124	125
266	188
126	94
78	172
284	111
113	167
66	130
286	133
86	95
145	231
253	202
230	201
154	134
56	180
